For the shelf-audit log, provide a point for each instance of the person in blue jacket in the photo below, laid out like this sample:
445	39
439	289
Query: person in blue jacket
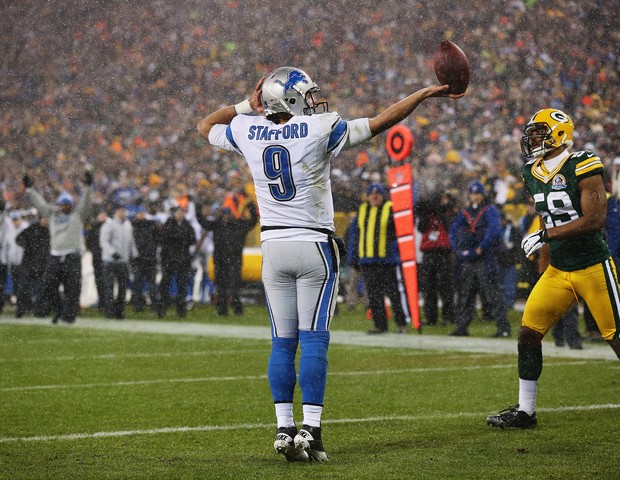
475	238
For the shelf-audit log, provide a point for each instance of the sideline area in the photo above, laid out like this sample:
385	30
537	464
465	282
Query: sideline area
338	337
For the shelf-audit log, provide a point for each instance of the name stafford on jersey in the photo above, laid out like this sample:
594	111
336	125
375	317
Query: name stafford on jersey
294	130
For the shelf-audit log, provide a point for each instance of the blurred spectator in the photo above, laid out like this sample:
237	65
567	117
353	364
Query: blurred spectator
355	290
144	266
64	265
612	221
229	232
35	240
204	250
475	236
528	224
4	226
117	250
177	237
377	254
434	214
509	255
93	234
14	256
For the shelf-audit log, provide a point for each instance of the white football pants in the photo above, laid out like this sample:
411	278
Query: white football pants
301	285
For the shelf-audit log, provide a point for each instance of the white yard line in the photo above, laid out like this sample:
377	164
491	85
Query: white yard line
213	428
117	356
245	378
338	337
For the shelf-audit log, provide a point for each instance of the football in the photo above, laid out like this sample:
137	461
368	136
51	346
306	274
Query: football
451	67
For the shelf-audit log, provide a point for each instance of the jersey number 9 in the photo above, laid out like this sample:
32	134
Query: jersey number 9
277	166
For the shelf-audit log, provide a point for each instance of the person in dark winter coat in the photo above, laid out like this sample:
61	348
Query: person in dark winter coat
35	240
177	237
146	238
93	233
229	234
434	215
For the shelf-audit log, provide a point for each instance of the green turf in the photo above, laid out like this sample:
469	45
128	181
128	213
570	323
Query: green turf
390	413
343	320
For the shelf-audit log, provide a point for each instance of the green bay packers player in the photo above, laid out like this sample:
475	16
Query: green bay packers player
569	194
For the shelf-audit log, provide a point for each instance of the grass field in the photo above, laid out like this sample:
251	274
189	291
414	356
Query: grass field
80	403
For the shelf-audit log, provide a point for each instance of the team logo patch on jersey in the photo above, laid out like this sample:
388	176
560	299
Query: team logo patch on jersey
294	77
558	182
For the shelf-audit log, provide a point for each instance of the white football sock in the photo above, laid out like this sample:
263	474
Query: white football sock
284	414
312	415
527	395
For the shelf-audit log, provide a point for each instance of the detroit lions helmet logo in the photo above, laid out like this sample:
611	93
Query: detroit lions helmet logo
294	77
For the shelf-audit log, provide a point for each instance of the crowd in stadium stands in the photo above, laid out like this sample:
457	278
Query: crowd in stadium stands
122	88
121	85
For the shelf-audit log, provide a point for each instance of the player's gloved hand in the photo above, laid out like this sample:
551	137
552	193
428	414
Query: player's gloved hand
534	241
88	177
27	181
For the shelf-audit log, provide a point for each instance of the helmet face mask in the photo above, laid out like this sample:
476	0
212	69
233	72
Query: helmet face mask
290	90
547	130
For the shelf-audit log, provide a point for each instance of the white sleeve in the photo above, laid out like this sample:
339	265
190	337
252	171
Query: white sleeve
359	132
351	133
221	136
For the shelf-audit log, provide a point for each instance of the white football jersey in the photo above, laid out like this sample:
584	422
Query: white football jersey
290	167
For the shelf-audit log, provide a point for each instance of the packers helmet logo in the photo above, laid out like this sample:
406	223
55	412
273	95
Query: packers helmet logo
559	116
558	182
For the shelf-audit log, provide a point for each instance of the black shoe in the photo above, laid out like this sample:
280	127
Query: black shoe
56	318
500	335
559	342
575	345
309	439
458	333
376	331
512	417
285	445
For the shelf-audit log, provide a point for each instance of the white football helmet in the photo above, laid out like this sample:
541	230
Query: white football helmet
289	90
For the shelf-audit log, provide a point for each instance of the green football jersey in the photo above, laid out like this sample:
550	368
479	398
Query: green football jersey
558	200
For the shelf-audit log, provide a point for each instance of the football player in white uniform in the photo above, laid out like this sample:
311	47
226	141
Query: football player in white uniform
288	150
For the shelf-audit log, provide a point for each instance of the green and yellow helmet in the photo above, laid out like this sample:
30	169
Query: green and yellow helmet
547	130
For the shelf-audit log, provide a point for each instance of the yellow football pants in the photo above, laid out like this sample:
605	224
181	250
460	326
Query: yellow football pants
556	290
